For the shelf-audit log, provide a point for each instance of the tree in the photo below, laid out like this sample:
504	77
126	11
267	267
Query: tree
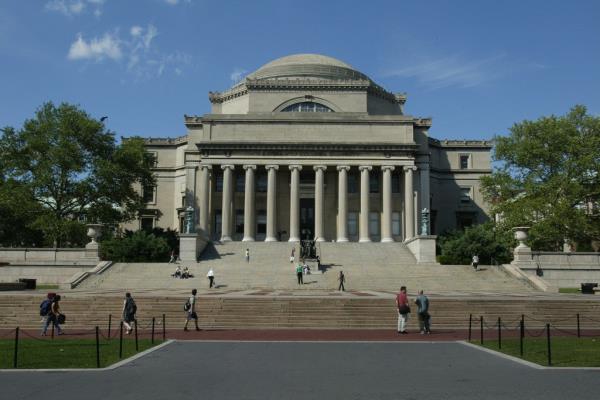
72	169
549	179
485	241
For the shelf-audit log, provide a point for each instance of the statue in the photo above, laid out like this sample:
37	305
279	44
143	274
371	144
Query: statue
189	220
425	222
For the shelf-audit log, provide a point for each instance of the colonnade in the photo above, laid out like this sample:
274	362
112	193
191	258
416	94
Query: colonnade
319	171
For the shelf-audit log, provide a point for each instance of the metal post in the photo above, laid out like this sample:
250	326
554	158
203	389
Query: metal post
578	327
481	328
109	323
470	322
121	340
16	347
549	347
52	331
136	336
499	332
97	347
152	340
164	328
522	335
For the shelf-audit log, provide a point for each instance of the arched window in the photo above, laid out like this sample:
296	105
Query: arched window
307	106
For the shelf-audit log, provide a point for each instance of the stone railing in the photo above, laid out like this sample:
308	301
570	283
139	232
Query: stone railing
12	255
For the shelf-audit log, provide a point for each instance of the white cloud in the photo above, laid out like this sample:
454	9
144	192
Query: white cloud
71	8
97	49
237	75
452	71
175	2
136	30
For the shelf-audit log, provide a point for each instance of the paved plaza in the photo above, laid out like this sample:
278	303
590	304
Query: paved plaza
307	370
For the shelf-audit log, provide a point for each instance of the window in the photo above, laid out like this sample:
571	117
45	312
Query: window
352	223
396	223
218	222
153	156
396	183
352	183
240	183
261	182
464	161
465	195
219	183
374	223
146	224
239	221
307	106
374	183
261	222
148	193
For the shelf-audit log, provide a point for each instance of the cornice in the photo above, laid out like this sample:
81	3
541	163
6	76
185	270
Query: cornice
487	144
328	146
301	118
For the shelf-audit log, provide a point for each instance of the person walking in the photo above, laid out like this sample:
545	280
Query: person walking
247	255
299	274
129	310
403	310
293	255
45	310
475	261
342	279
422	303
211	278
55	317
173	257
190	309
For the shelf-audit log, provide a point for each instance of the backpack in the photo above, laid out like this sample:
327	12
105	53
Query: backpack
131	307
45	307
187	306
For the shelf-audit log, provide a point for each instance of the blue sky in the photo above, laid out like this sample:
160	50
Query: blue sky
475	67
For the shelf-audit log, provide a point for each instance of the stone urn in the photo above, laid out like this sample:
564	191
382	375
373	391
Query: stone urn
521	236
94	231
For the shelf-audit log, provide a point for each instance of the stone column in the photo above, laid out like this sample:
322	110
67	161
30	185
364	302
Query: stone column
226	207
342	227
364	204
271	202
295	203
204	198
409	203
424	196
249	209
386	215
319	180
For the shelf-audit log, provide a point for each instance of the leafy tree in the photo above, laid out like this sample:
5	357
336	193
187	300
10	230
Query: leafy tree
72	169
139	246
491	245
549	179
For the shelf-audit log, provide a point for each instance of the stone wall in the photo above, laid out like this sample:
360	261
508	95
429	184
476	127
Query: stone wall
12	255
564	269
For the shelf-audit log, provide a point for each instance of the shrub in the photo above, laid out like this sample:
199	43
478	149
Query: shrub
458	247
139	246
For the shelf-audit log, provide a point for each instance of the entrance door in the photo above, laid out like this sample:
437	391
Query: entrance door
307	219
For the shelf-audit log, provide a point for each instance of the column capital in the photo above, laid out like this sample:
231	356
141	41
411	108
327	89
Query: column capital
293	167
409	168
247	166
320	167
227	166
206	166
388	167
341	167
365	167
271	166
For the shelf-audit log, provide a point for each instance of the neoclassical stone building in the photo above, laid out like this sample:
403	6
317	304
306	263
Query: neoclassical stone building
307	147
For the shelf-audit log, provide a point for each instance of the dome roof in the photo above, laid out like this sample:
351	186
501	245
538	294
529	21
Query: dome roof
307	66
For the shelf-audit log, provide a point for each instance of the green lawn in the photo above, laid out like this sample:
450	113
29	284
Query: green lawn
569	290
566	351
67	353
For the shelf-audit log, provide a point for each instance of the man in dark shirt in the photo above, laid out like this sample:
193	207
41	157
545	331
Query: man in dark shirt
423	312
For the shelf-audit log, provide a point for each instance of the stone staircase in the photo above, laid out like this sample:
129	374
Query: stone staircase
273	312
367	266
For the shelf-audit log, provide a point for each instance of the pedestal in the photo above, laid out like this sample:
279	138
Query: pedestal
92	251
423	248
191	246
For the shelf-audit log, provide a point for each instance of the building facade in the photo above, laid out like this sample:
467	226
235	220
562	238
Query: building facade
307	147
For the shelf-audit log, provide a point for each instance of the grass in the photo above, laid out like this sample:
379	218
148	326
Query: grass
46	287
569	290
566	351
67	353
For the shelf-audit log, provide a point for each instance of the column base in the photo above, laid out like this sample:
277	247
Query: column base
226	239
294	239
248	239
387	240
271	239
320	239
342	240
364	240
